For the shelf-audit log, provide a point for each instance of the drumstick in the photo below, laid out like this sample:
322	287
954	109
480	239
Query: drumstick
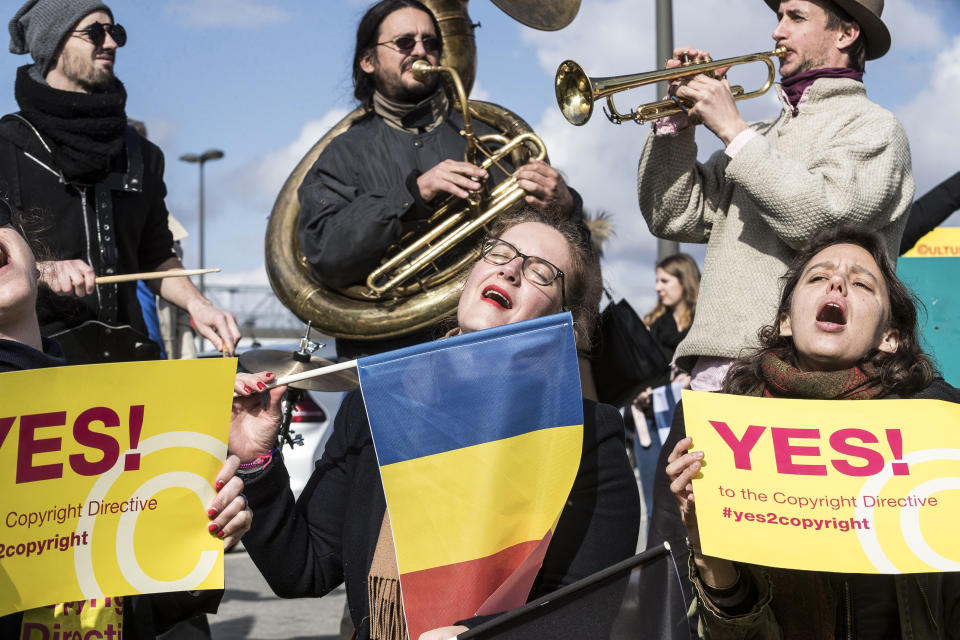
153	275
304	375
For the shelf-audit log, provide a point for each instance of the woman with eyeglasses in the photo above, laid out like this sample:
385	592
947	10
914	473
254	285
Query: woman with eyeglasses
678	287
336	532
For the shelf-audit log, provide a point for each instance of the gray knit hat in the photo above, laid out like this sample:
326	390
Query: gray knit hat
40	25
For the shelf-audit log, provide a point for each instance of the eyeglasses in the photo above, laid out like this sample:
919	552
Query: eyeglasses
406	44
536	270
97	32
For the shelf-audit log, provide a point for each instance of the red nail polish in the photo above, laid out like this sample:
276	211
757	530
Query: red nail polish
261	386
221	534
247	389
268	375
212	527
219	484
211	513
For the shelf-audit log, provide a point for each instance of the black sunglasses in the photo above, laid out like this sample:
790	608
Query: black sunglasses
97	32
406	44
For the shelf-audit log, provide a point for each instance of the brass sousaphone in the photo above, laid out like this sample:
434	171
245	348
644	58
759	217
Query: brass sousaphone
377	312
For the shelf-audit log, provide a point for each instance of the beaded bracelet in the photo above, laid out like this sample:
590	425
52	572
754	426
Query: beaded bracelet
259	461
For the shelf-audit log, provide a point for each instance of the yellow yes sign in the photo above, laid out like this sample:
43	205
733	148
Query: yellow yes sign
857	486
105	471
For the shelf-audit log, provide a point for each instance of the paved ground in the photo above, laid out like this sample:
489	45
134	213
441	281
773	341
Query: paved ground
250	611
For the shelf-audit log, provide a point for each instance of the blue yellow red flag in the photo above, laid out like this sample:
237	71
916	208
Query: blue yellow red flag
478	438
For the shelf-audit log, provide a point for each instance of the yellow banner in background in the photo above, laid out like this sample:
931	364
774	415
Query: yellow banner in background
864	486
942	242
105	472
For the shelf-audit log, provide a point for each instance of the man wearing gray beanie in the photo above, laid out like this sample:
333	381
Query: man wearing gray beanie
70	154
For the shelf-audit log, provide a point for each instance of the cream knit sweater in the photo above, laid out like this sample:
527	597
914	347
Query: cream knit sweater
837	158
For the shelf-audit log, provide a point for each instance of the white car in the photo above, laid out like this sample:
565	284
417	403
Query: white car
313	420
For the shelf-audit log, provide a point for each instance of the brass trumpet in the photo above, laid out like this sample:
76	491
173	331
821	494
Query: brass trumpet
576	92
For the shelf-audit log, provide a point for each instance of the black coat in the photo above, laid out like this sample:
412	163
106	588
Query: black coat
329	535
361	196
68	230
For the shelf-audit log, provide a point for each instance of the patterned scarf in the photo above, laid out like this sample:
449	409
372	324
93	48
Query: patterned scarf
781	380
85	130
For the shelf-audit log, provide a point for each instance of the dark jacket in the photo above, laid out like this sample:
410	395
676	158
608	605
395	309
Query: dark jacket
664	330
361	196
329	535
143	616
929	603
68	225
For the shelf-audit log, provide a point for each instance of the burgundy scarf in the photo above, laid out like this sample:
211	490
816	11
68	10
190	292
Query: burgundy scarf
795	85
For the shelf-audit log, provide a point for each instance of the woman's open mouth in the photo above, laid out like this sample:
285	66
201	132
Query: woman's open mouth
497	297
832	315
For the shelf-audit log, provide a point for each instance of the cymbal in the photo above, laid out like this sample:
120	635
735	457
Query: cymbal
545	15
282	363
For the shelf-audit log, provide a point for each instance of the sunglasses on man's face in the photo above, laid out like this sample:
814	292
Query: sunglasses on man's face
97	32
406	44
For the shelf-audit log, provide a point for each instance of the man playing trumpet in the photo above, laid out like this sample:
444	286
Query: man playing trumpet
831	156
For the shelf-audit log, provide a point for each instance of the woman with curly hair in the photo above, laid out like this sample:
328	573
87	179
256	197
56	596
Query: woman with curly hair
846	329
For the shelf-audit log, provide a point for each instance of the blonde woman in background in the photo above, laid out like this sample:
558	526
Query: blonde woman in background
677	287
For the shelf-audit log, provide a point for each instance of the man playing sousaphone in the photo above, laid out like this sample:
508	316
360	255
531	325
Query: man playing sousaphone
831	156
387	172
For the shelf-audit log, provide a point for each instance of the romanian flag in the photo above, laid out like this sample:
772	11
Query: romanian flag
479	440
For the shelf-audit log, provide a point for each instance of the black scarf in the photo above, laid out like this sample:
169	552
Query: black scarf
85	130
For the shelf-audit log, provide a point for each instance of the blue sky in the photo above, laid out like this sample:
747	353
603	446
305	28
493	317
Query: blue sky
263	80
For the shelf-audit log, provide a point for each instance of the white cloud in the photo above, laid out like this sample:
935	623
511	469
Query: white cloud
240	14
262	180
931	124
479	92
914	26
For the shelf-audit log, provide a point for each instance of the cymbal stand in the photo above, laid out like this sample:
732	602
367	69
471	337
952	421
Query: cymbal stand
292	396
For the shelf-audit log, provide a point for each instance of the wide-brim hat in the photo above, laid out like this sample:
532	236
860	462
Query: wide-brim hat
867	15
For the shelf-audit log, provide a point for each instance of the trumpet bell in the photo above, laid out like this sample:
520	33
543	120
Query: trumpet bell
574	93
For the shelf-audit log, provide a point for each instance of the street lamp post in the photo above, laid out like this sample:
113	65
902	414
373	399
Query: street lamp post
202	159
664	52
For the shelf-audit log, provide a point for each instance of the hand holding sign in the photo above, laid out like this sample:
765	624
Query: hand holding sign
682	467
829	485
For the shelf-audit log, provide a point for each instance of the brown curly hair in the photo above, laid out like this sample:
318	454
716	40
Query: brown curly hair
903	372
